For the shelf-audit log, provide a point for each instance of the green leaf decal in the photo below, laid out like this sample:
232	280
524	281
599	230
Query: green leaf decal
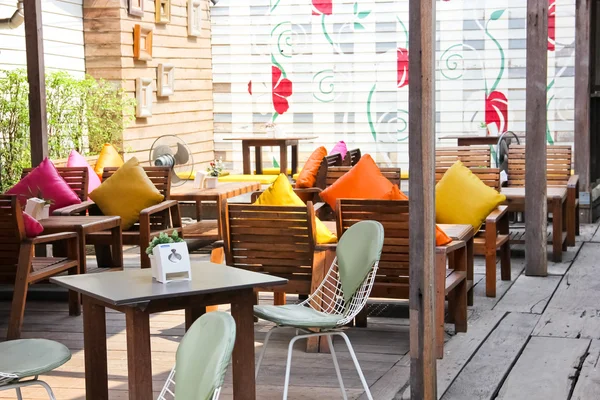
275	163
496	15
358	26
355	8
363	14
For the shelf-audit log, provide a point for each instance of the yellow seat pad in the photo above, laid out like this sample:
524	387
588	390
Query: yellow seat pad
186	175
263	179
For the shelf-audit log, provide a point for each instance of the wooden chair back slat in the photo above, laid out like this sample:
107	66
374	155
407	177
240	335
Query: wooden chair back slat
76	177
352	157
334	173
470	156
160	177
558	165
489	176
12	233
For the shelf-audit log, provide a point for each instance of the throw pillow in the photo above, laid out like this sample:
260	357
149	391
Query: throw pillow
32	226
127	193
308	175
363	181
462	198
340	147
281	193
109	157
77	160
45	181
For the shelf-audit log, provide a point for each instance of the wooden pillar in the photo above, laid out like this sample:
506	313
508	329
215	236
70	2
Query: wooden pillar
583	15
423	380
536	256
34	45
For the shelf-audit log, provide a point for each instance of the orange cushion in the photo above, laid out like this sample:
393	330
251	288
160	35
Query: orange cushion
308	175
441	239
363	181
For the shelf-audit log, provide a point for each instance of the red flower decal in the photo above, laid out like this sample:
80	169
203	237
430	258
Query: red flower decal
552	25
322	7
496	112
402	67
282	88
250	87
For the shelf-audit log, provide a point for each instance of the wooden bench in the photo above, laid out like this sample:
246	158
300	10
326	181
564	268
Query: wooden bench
76	177
352	157
559	161
470	156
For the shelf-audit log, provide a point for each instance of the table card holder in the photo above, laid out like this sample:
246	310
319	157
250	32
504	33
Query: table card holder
171	262
37	208
199	180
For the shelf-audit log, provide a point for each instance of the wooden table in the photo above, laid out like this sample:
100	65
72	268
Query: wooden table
282	143
85	225
134	293
466	233
557	204
472	140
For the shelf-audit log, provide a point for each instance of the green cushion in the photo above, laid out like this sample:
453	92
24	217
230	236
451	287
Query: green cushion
31	357
297	316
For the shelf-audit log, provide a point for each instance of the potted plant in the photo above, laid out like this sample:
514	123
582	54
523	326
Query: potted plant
270	128
212	173
169	258
37	206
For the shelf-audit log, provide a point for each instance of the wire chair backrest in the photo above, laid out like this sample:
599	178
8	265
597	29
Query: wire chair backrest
6	378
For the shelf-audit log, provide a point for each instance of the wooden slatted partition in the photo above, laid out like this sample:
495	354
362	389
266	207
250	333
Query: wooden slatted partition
76	177
470	156
489	176
558	170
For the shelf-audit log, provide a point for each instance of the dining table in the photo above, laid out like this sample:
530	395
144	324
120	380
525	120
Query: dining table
137	295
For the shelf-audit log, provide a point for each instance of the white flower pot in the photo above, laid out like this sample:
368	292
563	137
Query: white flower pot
210	182
45	212
171	262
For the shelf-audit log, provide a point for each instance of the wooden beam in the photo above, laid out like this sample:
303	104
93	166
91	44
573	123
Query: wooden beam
583	15
536	256
34	45
423	380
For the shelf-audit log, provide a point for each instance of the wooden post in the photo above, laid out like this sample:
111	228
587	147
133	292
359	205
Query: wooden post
423	380
536	256
583	14
34	45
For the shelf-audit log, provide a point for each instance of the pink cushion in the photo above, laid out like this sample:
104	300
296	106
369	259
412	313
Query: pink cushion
32	227
77	160
45	181
340	147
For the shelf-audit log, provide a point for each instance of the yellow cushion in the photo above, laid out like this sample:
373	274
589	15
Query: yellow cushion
404	174
295	177
127	193
263	179
109	157
192	176
281	193
462	198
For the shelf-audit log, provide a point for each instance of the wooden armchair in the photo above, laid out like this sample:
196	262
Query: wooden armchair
352	157
470	156
163	217
559	159
18	265
392	280
76	177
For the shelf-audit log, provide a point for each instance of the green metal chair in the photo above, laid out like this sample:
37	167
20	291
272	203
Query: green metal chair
340	297
202	359
22	361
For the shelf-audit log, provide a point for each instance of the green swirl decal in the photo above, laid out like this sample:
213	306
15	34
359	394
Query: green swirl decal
370	119
494	17
326	86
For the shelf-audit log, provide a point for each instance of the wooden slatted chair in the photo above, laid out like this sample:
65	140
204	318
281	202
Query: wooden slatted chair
494	236
559	161
76	177
163	217
352	157
18	265
470	156
392	279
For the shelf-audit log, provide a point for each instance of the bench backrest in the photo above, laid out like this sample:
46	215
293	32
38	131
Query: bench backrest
160	177
76	177
352	157
489	176
334	173
559	158
470	156
11	236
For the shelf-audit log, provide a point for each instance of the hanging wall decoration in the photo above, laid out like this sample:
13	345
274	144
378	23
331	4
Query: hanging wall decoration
163	11
165	80
194	18
143	95
142	43
136	7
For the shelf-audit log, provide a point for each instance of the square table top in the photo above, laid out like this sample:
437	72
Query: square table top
267	140
135	286
224	190
63	223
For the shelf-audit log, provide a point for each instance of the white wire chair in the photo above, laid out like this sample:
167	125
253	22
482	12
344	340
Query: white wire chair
168	391
11	381
329	299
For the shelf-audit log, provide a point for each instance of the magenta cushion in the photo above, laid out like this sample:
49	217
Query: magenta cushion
44	180
32	227
77	160
340	147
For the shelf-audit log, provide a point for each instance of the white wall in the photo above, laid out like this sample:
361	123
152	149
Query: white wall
63	37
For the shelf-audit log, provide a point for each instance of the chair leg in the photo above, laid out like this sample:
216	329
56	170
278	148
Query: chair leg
360	321
264	349
505	262
337	367
288	367
103	256
19	394
356	364
20	292
48	389
279	298
457	305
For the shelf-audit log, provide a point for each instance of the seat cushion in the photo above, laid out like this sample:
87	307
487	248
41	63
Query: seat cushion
308	176
462	198
281	193
297	316
126	193
45	182
77	160
339	148
33	228
109	157
31	357
262	179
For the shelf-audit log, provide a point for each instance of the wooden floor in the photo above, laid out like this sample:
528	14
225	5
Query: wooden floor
538	339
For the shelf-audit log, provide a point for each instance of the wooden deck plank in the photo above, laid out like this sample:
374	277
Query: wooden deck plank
545	370
392	382
588	383
529	294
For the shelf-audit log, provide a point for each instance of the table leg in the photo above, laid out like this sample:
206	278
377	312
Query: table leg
557	229
82	252
294	159
283	159
94	345
192	313
244	385
470	270
565	212
246	158
439	304
258	159
139	354
117	247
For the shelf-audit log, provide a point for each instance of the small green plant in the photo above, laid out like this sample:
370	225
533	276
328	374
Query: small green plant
163	238
483	125
215	168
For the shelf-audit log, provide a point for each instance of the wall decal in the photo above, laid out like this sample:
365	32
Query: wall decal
165	80
194	18
143	96
136	7
163	11
142	43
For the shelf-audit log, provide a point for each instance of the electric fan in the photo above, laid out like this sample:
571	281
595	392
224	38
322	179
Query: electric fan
171	151
504	141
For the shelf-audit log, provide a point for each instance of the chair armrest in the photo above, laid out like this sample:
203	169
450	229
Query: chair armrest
308	190
573	181
52	238
165	205
496	215
450	247
74	209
